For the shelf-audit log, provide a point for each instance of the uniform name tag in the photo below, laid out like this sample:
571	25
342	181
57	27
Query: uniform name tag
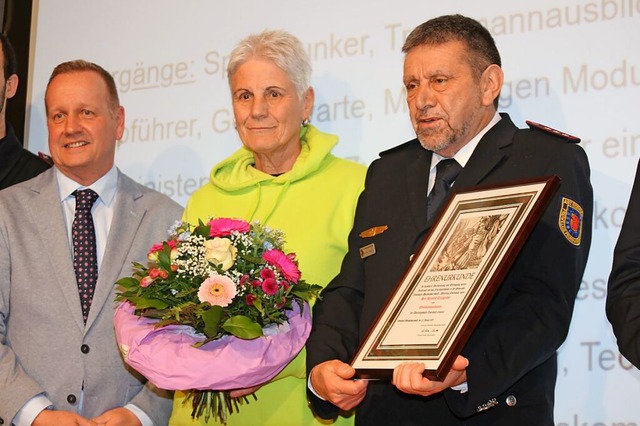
368	250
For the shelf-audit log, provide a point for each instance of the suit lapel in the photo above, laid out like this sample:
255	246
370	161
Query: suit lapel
48	218
488	154
417	185
127	216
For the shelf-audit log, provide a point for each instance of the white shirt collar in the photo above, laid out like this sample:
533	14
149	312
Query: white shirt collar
462	156
105	187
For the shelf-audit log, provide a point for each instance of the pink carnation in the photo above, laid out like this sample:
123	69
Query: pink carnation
157	272
218	290
160	246
249	299
243	279
283	263
266	273
224	226
270	286
153	252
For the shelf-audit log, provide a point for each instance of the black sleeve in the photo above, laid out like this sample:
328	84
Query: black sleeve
623	296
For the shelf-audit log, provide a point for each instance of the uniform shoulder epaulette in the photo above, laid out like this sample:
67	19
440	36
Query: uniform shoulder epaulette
46	158
567	137
399	147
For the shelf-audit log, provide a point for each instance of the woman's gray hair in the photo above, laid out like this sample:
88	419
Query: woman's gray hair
279	47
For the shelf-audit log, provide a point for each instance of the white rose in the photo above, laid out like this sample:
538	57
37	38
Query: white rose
221	252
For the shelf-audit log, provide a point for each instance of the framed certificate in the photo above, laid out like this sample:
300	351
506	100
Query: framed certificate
453	277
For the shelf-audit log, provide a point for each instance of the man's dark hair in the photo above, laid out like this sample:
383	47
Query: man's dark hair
443	29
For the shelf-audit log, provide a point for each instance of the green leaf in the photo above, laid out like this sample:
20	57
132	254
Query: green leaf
211	318
164	257
164	322
303	285
202	230
242	327
258	304
256	260
128	283
156	313
306	292
145	302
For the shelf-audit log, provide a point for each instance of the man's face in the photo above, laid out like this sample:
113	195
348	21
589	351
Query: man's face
448	106
83	126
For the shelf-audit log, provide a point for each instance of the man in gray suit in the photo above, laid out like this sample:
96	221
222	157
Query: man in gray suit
59	362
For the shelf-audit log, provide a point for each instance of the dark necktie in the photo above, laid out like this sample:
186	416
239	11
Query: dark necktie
85	260
447	171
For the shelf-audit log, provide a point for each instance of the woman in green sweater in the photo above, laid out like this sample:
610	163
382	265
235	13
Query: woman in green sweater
285	177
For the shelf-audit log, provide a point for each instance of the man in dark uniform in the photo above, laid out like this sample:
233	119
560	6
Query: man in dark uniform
16	163
507	372
623	294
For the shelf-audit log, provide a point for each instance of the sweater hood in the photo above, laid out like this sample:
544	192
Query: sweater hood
236	172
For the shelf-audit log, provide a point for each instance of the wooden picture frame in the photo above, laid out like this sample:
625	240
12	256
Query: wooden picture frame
453	277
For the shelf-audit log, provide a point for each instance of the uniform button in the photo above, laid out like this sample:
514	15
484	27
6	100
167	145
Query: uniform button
511	401
84	349
71	399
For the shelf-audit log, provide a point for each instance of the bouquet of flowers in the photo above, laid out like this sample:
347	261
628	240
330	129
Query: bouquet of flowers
220	306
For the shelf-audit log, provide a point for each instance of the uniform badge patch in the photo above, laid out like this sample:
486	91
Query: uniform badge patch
570	221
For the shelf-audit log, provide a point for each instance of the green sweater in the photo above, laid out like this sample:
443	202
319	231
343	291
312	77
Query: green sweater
314	204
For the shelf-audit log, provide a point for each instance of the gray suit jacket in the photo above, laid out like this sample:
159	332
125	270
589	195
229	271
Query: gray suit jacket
44	345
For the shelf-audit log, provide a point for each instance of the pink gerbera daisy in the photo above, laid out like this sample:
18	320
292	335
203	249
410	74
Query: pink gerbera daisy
283	263
218	290
224	226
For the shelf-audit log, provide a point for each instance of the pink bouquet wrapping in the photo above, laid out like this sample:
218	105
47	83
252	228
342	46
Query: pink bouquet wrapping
220	306
224	364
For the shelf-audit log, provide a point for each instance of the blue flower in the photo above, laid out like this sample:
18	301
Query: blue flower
173	230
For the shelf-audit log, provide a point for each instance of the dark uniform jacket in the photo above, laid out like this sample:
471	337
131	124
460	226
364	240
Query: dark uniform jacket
512	352
623	295
16	163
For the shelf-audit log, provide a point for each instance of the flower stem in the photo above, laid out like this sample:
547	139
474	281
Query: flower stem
218	404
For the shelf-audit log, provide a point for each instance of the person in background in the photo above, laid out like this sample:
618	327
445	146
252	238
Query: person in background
66	237
285	177
623	294
507	372
16	163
